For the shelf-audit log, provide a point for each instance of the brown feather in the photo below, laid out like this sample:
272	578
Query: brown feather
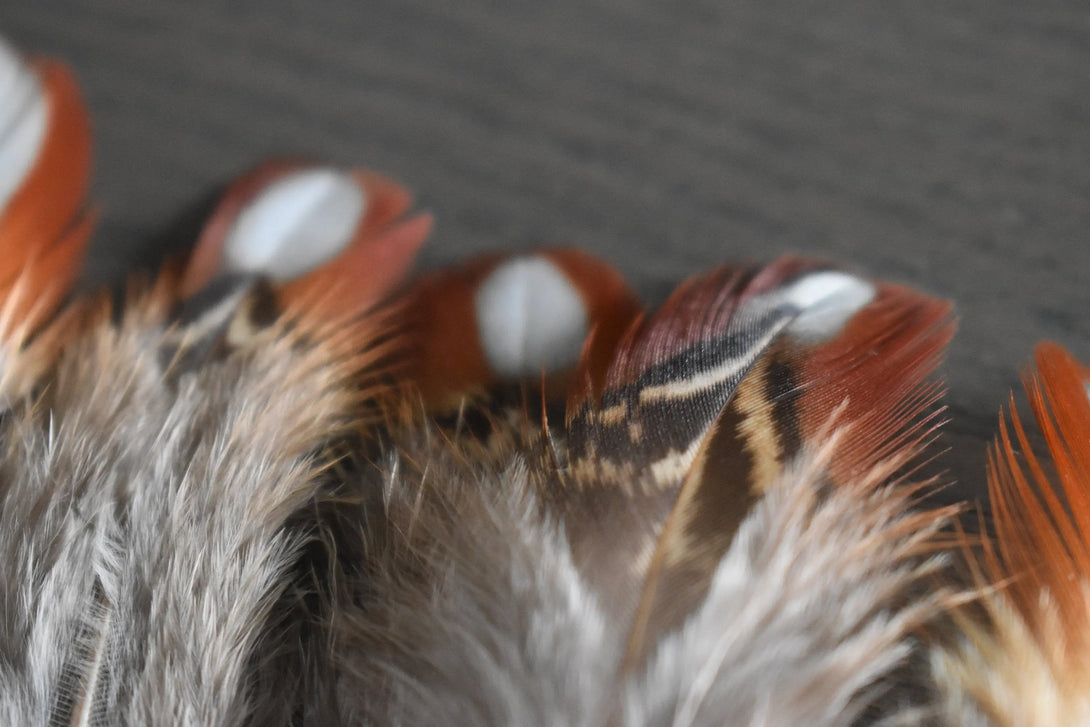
873	372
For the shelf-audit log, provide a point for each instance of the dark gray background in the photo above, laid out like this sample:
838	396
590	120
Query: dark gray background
945	145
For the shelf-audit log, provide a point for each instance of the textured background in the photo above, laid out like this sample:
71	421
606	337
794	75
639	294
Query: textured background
945	145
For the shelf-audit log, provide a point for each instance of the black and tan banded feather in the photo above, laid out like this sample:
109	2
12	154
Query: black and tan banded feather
708	401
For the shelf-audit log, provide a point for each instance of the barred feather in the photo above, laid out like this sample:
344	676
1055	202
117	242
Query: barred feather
713	398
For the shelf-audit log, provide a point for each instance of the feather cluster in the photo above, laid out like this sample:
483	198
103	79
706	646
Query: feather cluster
288	483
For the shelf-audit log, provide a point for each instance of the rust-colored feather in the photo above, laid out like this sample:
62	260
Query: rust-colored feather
1020	655
268	260
1041	528
368	257
876	369
452	320
45	227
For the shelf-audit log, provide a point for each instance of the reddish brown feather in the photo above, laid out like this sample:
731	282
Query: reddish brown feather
446	358
698	310
1041	530
206	259
44	229
876	369
375	262
47	278
362	276
871	377
448	362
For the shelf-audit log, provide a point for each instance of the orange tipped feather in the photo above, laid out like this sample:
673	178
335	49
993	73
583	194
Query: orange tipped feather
388	201
447	359
1022	652
371	265
1063	386
48	278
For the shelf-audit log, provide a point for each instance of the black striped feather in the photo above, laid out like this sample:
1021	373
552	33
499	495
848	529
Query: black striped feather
707	403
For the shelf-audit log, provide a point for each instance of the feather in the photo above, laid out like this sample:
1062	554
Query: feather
153	528
285	251
514	318
159	509
713	397
211	511
45	151
1024	657
601	586
811	611
332	243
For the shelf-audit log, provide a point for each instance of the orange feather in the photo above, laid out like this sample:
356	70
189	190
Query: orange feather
1041	528
44	229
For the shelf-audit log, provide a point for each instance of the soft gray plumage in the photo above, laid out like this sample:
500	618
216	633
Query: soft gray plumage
144	527
475	614
196	531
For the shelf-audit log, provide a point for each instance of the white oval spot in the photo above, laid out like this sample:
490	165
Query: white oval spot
825	301
531	318
296	224
24	116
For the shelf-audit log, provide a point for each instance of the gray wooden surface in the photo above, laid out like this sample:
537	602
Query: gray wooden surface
945	145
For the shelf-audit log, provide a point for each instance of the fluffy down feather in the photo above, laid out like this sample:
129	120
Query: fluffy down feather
472	612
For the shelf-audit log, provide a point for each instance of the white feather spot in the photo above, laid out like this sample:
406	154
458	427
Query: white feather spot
826	301
530	317
24	116
296	224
